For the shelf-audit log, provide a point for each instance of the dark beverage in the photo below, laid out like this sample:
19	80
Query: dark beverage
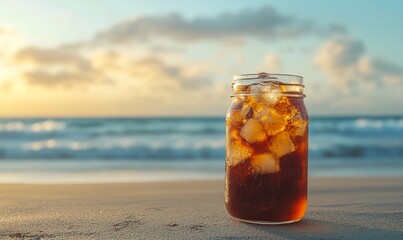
267	151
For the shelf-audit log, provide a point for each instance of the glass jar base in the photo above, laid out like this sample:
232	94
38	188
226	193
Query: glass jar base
266	222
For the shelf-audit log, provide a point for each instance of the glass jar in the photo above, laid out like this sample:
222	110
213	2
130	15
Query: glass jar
267	149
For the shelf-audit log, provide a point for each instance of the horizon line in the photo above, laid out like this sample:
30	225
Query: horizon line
186	116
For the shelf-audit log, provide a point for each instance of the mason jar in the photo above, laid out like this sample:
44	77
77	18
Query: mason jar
266	149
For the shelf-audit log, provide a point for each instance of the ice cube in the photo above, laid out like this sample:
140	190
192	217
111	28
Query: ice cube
257	104
267	92
281	144
271	122
271	92
238	116
239	88
257	107
246	111
234	118
274	124
265	163
255	88
237	151
284	108
236	104
253	131
298	127
233	134
262	113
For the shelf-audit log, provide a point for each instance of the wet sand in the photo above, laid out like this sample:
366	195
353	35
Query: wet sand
348	208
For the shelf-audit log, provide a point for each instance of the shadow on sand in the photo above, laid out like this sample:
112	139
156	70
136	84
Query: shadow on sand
317	229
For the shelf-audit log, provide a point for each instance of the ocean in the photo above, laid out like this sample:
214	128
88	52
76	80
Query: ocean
66	150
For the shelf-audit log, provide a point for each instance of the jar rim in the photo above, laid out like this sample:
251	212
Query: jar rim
280	77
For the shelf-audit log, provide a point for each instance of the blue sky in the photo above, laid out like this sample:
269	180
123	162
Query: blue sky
336	85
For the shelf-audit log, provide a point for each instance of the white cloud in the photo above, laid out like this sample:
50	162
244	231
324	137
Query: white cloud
55	67
347	65
150	70
75	68
264	23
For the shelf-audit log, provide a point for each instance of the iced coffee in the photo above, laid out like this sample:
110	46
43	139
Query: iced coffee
267	149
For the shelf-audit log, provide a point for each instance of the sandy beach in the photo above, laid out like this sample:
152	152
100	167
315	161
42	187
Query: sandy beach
348	208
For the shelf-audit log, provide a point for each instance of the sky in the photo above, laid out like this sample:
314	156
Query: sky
177	58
